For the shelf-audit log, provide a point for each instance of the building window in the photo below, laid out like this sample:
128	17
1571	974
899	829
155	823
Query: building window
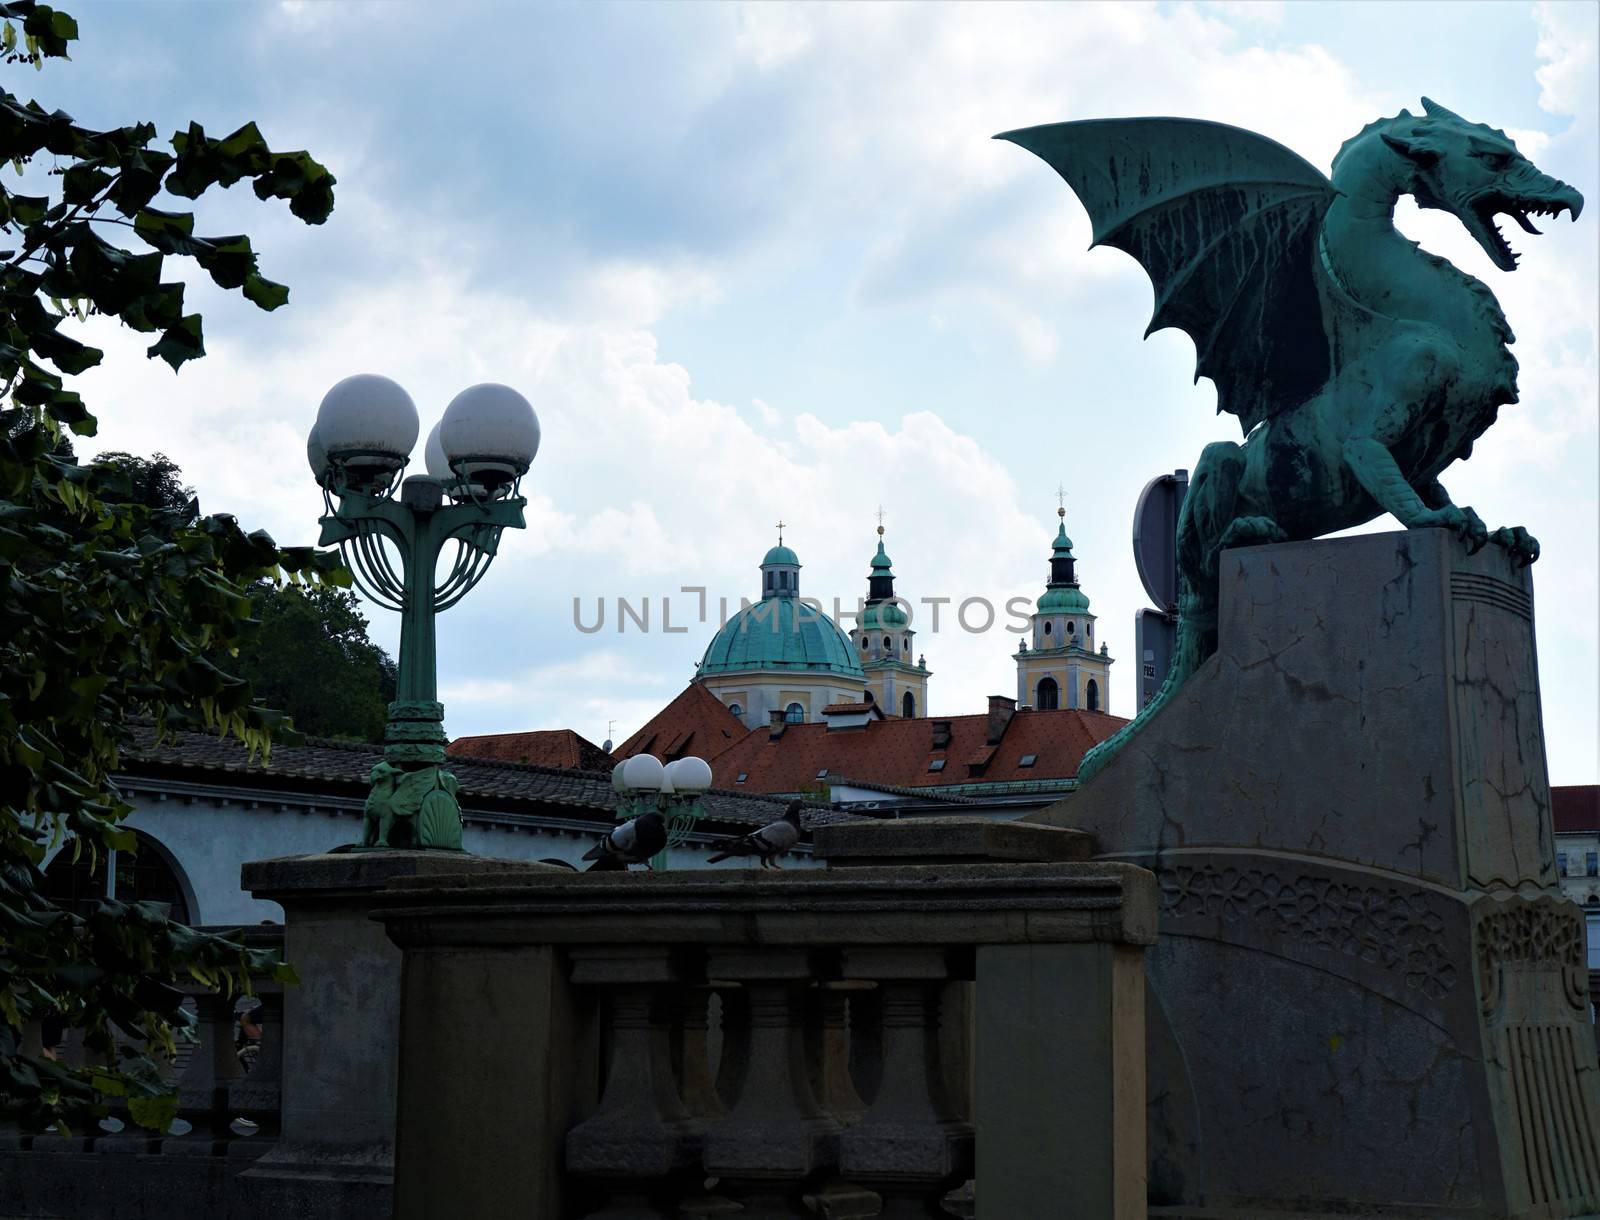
743	775
866	696
888	644
1047	626
1591	864
908	706
936	765
1027	760
1072	627
1049	696
794	714
1091	695
863	643
822	774
1561	863
143	876
736	709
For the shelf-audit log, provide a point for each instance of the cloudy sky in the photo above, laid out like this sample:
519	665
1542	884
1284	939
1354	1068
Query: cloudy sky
753	262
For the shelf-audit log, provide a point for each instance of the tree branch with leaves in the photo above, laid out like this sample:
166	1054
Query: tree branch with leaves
113	607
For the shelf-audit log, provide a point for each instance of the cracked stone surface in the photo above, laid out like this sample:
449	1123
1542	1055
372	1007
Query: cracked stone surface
1368	991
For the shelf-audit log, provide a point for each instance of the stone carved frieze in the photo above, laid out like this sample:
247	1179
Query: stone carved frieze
1395	929
1547	932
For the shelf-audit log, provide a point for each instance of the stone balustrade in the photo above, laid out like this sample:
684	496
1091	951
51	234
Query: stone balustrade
863	1041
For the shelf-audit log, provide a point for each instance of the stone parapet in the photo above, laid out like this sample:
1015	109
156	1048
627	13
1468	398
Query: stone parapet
781	1037
948	841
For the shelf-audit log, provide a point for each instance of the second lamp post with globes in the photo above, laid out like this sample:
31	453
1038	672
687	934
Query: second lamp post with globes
392	532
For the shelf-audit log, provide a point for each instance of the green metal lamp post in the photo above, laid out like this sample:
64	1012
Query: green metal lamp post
391	533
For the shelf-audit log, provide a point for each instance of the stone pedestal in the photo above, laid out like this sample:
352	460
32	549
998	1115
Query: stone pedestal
341	1026
1368	990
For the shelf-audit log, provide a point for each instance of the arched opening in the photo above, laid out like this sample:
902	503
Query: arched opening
1091	695
1047	626
794	714
148	875
908	706
1049	696
888	644
736	709
867	696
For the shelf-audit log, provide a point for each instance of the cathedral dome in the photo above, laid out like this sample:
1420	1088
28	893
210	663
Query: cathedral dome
781	554
783	634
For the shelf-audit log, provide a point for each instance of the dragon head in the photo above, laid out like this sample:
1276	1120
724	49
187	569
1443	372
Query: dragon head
1475	173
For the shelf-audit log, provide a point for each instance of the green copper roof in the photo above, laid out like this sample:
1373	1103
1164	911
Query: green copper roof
1063	599
880	561
781	554
1063	545
883	615
784	634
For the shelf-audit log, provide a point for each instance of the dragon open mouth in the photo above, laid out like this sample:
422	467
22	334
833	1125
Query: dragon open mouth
1484	227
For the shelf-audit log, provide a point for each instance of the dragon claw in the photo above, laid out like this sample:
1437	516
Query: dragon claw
1523	546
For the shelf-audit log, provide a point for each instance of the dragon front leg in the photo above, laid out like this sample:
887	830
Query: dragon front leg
1522	545
1375	469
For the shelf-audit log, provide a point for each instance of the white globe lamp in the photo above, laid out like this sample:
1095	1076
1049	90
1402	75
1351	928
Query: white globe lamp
489	435
642	773
690	776
367	426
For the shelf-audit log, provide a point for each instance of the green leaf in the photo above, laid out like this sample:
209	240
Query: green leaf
169	232
180	343
154	1113
264	292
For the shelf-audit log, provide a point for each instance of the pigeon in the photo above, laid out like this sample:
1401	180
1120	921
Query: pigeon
770	842
631	843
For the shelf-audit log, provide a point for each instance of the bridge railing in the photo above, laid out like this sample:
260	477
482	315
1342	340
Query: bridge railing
856	1041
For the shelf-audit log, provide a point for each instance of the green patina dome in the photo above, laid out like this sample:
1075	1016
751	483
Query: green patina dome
884	616
784	634
880	561
1063	599
781	554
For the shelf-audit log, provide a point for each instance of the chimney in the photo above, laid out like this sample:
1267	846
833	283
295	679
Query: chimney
776	723
1001	709
941	734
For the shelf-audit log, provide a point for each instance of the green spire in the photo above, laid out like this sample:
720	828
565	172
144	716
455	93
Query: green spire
1063	546
880	562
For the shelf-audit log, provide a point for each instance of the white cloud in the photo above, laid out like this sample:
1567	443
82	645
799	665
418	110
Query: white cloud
849	142
1567	78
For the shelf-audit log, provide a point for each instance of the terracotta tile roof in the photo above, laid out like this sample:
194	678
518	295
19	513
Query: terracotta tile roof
696	722
561	748
897	752
342	769
1575	807
840	709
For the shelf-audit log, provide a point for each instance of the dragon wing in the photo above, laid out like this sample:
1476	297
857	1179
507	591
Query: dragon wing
1225	223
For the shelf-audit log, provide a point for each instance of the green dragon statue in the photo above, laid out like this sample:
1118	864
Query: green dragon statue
1359	365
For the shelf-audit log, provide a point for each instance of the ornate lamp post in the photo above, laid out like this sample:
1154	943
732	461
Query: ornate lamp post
391	533
676	790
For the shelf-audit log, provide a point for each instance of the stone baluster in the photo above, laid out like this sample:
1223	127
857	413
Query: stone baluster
910	1146
203	1087
828	1051
775	1133
640	1135
258	1095
691	1062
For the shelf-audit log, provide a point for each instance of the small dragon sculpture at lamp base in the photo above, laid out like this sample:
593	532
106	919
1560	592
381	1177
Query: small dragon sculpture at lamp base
1359	365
